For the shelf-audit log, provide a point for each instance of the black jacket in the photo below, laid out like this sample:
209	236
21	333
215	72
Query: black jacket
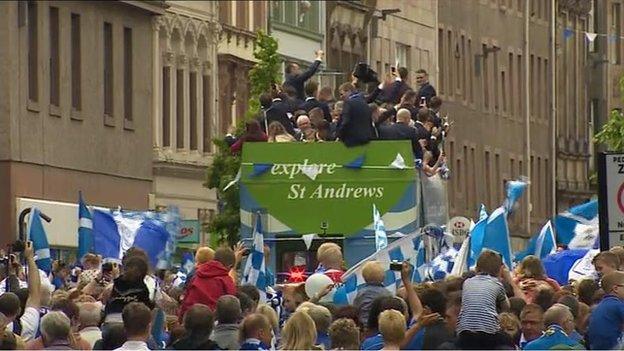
397	89
297	81
279	112
195	342
355	126
427	91
400	131
312	103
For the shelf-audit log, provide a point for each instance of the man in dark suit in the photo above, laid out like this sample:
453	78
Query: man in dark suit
398	87
426	90
278	111
311	91
355	126
402	130
296	79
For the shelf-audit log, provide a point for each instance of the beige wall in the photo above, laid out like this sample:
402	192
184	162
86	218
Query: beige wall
413	27
487	142
52	156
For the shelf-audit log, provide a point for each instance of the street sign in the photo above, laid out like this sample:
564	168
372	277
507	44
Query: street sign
459	227
611	199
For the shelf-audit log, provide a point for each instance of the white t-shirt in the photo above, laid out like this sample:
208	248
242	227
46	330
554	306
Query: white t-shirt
30	324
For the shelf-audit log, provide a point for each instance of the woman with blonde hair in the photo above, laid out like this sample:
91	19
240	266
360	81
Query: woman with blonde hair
530	275
277	133
299	333
268	311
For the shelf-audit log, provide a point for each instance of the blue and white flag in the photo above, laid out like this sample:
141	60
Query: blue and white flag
461	260
409	247
578	226
37	234
515	189
540	245
477	233
188	262
114	232
255	269
85	228
496	236
381	239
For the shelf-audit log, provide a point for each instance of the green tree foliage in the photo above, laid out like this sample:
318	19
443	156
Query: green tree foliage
224	228
612	133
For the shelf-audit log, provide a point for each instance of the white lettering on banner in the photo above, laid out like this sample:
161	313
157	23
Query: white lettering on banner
293	169
298	192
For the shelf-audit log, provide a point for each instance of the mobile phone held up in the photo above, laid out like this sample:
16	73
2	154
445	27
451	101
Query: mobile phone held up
396	266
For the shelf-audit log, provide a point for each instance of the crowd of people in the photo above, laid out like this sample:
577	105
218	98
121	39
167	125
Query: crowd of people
129	306
366	110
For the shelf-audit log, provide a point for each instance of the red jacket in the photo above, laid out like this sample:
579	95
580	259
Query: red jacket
210	282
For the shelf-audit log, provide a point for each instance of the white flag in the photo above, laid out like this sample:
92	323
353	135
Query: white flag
399	162
591	36
307	239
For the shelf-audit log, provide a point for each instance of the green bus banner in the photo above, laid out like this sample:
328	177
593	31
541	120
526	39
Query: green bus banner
327	188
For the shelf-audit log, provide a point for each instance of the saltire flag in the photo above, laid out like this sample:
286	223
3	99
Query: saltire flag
461	261
409	247
578	226
477	233
85	228
255	269
37	234
381	239
496	230
540	245
114	232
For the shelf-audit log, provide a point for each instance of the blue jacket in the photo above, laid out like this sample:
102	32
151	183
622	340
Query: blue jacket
554	338
605	323
254	344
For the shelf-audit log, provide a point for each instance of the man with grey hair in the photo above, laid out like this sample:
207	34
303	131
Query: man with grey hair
228	314
55	328
89	317
560	324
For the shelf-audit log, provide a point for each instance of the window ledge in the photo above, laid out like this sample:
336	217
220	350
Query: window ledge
32	106
54	111
296	30
109	120
128	124
75	115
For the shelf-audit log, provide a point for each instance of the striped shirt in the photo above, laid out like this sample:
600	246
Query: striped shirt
480	296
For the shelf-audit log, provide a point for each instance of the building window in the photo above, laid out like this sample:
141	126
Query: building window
258	15
33	52
458	66
402	53
486	79
498	181
496	91
207	100
532	86
510	89
463	65
54	58
108	69
193	109
470	64
503	92
441	63
292	13
225	12
166	106
128	91
242	14
449	54
180	109
76	67
519	83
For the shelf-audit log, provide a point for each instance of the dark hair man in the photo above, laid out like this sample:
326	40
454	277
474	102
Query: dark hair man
296	78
